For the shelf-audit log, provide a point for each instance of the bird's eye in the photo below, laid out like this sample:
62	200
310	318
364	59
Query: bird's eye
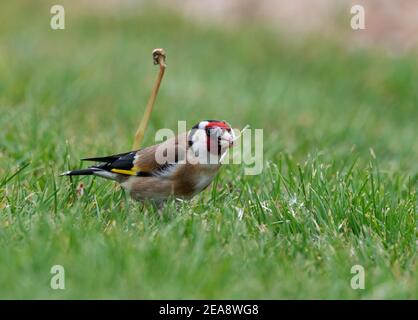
208	131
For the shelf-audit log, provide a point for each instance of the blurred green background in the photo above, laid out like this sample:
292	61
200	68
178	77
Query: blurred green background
340	152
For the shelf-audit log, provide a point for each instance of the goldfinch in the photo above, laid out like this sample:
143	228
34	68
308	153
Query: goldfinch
179	167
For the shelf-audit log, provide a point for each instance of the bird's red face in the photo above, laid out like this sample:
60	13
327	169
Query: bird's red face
218	135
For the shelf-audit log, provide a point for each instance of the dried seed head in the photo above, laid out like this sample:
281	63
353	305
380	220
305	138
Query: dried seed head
158	56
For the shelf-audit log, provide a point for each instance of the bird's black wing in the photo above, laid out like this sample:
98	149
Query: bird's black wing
122	163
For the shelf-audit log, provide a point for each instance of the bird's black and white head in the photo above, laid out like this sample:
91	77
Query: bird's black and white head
214	136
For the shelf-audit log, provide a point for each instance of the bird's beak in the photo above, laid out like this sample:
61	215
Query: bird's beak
228	139
230	142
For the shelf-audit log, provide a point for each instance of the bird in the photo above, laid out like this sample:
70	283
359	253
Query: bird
179	167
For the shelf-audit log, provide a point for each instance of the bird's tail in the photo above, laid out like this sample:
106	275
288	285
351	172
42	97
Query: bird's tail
105	166
80	172
92	171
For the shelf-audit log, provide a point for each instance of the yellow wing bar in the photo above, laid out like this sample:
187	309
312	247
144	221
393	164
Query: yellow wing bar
126	172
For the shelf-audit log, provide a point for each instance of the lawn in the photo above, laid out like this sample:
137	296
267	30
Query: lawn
338	188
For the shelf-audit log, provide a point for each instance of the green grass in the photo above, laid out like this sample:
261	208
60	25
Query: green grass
339	185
